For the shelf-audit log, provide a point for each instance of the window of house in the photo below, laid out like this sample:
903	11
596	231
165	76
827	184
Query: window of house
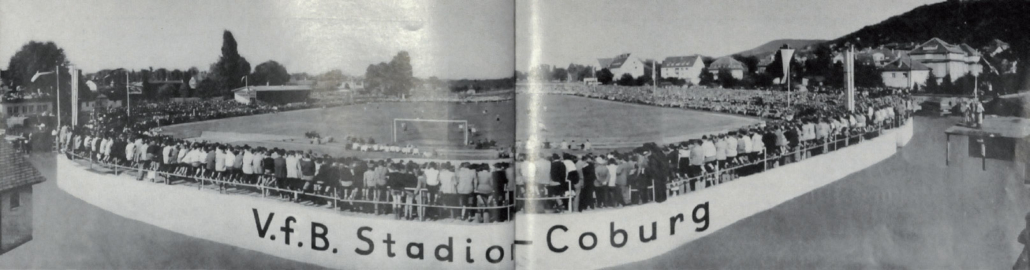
15	200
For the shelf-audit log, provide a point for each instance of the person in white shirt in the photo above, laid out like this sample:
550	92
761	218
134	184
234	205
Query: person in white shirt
248	165
432	181
731	149
292	169
709	149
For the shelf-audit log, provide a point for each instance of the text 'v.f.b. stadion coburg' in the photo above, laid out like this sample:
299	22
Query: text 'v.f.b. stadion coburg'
460	246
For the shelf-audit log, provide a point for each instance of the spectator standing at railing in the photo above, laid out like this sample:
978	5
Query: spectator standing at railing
292	170
466	179
588	171
432	175
370	190
279	163
573	175
247	165
710	151
484	188
449	188
697	160
395	178
721	151
731	148
558	175
600	183
307	169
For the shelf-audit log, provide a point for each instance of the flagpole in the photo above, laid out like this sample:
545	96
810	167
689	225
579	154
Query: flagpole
57	85
128	106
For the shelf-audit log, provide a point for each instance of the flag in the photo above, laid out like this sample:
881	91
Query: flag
34	77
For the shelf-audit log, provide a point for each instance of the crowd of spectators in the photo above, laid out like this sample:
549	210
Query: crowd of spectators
579	179
575	180
404	189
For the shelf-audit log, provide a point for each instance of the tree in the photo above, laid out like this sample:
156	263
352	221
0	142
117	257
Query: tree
644	80
750	62
726	79
166	91
626	80
269	73
31	58
560	74
394	78
604	76
931	84
947	86
230	68
184	88
706	78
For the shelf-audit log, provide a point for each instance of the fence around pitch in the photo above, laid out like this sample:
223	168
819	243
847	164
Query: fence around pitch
680	186
264	190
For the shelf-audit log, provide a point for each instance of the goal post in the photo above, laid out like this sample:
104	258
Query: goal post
424	129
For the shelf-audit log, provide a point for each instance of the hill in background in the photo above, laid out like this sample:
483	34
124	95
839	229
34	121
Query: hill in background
771	46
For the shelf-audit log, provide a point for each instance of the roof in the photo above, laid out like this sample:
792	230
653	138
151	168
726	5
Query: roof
604	62
904	63
937	46
681	61
726	62
969	50
618	61
262	88
999	126
17	171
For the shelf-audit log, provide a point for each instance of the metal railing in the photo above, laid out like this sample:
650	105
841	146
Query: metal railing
265	187
681	185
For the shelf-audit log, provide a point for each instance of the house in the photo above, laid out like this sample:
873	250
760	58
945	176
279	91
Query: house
946	59
876	57
15	198
905	73
736	68
623	64
687	68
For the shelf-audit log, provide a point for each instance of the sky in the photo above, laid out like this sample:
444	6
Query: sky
581	31
449	39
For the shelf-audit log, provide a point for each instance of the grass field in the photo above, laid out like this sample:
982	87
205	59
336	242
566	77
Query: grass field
491	120
610	122
555	118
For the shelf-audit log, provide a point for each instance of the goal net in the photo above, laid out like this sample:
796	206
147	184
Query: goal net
430	131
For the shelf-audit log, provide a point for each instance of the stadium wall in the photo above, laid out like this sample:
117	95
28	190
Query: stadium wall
587	240
316	235
601	238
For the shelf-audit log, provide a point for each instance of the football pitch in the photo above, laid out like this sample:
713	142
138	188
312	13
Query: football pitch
491	121
616	124
550	117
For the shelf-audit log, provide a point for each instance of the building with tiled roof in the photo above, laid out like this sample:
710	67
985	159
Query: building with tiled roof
16	179
687	68
736	68
945	59
905	73
623	64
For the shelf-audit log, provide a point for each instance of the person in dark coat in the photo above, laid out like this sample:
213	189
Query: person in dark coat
589	177
558	176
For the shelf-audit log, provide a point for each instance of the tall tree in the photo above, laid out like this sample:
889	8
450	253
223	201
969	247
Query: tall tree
394	78
230	68
36	57
269	73
605	76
